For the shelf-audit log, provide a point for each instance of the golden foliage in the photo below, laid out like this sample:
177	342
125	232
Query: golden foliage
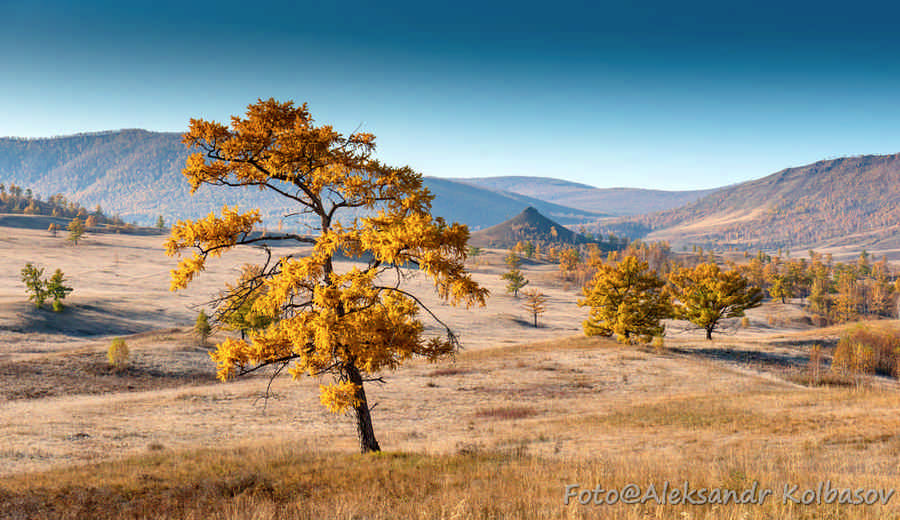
118	354
319	319
626	299
76	230
568	261
338	397
704	295
212	236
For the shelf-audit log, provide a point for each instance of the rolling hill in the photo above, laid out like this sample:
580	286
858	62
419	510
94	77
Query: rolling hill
851	202
527	225
614	201
137	175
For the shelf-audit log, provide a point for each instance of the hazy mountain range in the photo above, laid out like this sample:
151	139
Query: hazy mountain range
612	201
853	201
137	174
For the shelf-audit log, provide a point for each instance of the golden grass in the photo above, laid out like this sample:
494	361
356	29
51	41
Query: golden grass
549	346
497	434
293	482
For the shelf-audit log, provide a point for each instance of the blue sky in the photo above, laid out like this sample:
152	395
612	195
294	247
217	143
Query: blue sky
671	95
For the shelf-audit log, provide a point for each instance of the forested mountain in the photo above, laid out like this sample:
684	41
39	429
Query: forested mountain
133	173
613	201
848	201
137	174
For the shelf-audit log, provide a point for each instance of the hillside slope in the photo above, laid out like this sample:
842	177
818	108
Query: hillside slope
852	201
137	174
613	201
527	225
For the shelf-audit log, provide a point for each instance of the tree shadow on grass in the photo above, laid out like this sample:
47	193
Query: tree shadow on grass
81	319
754	358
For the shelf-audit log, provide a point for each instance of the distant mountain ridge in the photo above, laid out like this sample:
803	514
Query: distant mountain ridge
614	201
137	174
849	201
845	202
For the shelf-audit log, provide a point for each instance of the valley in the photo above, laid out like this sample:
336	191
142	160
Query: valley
546	402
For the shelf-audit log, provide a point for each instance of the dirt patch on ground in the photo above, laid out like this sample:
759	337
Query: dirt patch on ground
89	373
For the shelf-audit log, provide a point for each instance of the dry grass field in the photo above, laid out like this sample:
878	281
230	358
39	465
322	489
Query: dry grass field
497	433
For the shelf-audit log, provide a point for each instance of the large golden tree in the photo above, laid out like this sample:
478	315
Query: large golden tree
348	319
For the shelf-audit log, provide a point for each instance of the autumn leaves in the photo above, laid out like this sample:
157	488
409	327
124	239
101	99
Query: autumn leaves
313	316
629	301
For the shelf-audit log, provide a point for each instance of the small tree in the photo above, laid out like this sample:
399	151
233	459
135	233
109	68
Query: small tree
704	295
515	281
626	299
780	289
512	260
815	364
238	301
568	261
118	354
526	247
90	222
474	253
535	303
160	222
57	289
76	230
202	327
34	285
53	229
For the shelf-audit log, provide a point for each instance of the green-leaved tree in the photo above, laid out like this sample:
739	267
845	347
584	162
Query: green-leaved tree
34	285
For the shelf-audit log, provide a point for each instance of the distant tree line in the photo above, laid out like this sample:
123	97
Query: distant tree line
835	292
18	200
22	201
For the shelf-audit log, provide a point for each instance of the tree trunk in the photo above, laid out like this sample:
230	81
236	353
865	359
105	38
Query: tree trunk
364	430
709	333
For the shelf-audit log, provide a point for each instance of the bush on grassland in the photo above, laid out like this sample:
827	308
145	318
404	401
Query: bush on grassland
868	349
118	354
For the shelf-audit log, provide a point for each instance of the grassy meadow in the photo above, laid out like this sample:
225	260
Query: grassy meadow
498	432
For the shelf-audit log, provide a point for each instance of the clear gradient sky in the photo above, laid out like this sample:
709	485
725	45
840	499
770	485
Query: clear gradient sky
677	95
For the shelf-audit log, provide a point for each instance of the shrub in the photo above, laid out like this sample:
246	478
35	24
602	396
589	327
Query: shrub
202	328
118	354
815	364
868	350
745	322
